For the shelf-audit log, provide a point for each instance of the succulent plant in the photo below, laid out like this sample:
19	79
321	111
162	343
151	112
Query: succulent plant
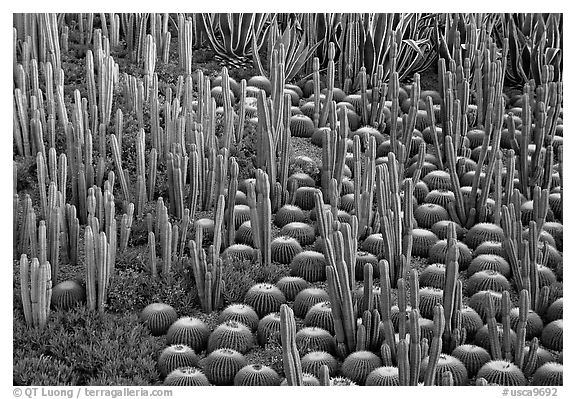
490	248
240	312
555	310
542	356
218	96
239	252
502	372
552	335
438	180
244	234
363	257
269	328
358	365
374	244
302	232
314	339
261	82
482	337
471	321
264	298
526	213
429	297
320	315
284	249
534	324
304	197
158	317
440	197
67	294
438	253
383	376
241	213
555	203
549	374
472	356
476	137
427	215
307	298
482	232
233	335
222	365
546	276
556	230
207	226
446	363
440	229
422	240
492	262
310	265
288	214
433	275
256	375
427	168
312	361
486	280
174	357
187	376
189	331
360	299
291	286
301	126
421	190
478	303
301	180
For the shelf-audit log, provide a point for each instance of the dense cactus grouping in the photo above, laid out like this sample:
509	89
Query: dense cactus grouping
384	217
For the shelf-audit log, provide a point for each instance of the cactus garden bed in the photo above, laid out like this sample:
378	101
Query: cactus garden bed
246	199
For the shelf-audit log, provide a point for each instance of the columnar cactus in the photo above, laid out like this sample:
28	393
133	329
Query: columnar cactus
290	356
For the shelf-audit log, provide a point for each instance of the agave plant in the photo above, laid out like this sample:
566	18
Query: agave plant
535	43
366	40
230	35
292	46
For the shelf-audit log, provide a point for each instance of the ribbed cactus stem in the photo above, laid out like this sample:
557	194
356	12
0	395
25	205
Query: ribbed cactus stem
316	79
324	375
90	264
118	162
402	308
265	216
361	338
368	283
495	347
506	339
386	304
25	289
335	301
290	355
152	254
415	349
531	359
403	363
449	292
218	223
435	347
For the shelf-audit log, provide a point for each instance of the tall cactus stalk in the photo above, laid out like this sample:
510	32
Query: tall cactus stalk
435	346
290	354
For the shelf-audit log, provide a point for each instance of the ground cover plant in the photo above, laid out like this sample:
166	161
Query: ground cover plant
288	199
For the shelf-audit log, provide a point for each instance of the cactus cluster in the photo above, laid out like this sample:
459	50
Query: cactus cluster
390	233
